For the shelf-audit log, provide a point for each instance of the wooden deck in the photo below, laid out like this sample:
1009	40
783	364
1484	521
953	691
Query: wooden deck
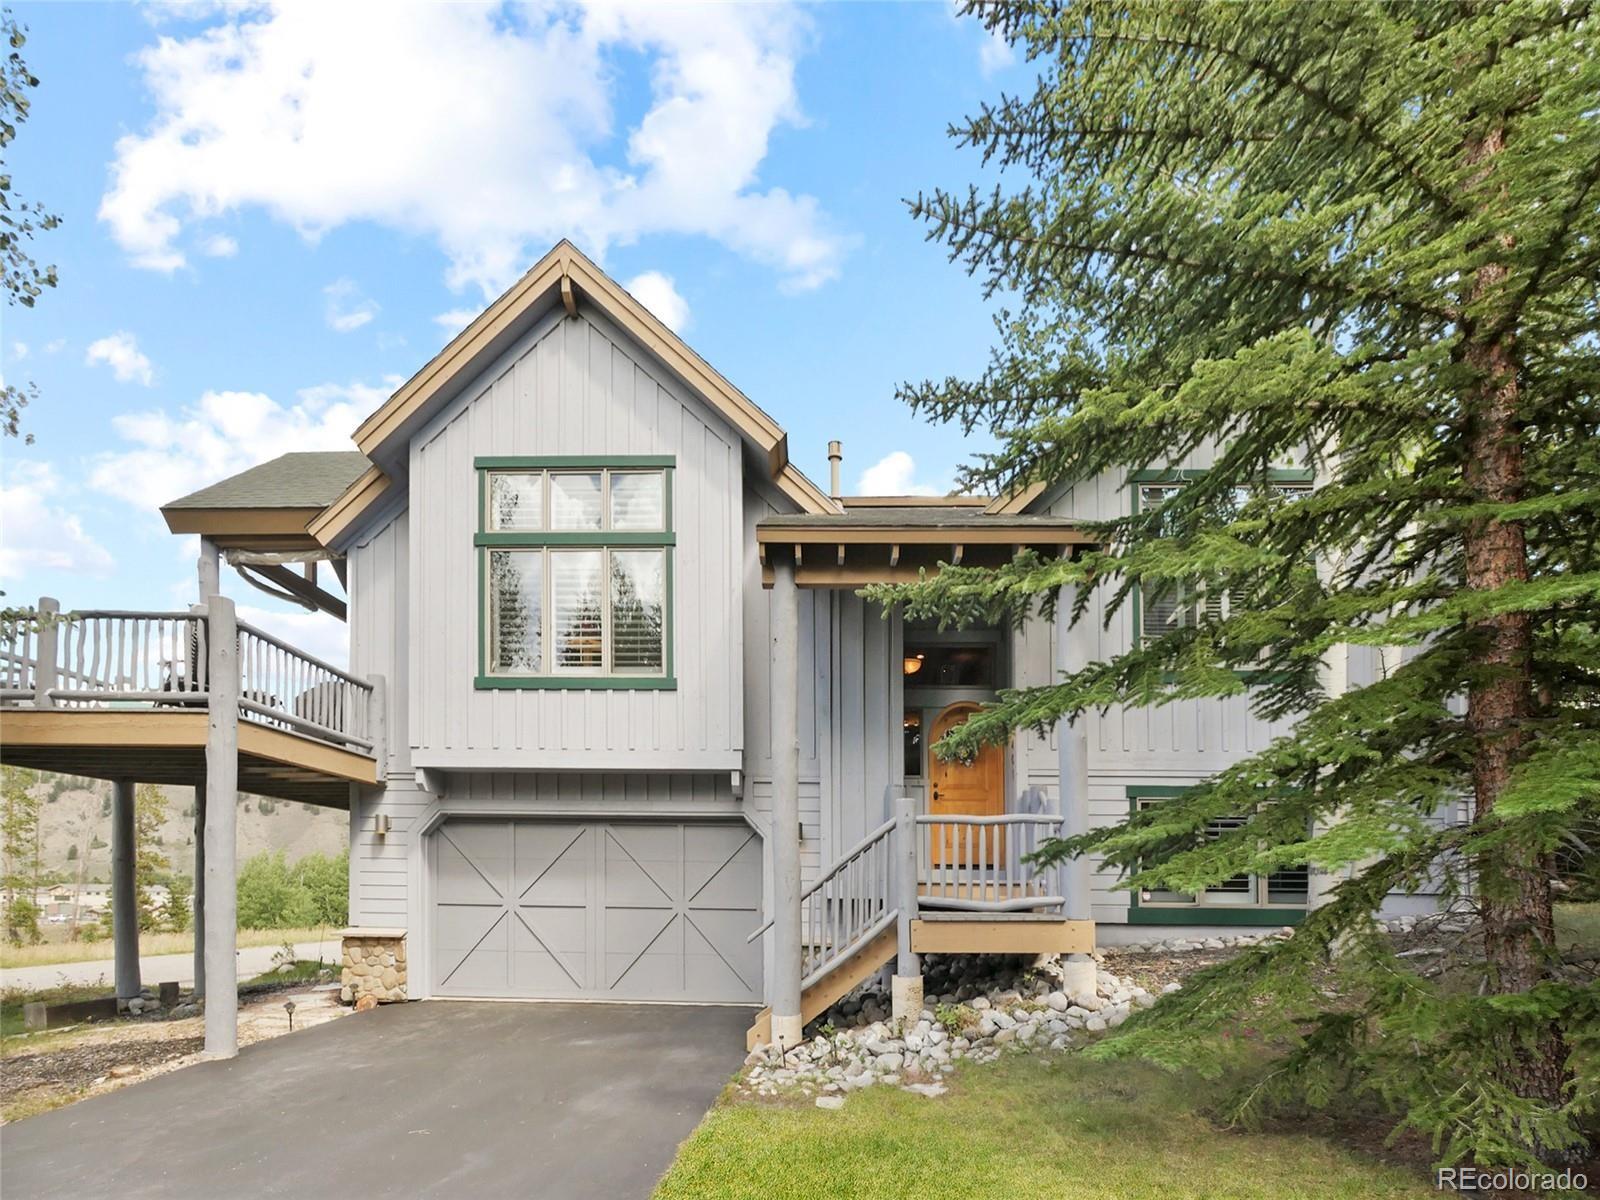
168	746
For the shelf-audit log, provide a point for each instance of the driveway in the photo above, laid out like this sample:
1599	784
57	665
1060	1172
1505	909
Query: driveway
439	1099
155	968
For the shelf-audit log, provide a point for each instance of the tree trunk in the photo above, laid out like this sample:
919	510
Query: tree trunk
1514	894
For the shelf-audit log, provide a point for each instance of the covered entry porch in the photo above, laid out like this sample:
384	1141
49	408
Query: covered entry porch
946	871
196	698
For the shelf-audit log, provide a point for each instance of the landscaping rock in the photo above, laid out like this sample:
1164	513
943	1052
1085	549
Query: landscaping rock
831	1102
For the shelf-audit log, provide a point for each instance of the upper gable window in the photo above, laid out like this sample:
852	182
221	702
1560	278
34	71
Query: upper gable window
575	572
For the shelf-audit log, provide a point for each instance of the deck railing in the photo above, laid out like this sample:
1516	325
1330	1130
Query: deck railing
107	658
846	906
980	864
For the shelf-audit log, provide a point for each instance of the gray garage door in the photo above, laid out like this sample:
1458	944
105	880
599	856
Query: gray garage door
596	910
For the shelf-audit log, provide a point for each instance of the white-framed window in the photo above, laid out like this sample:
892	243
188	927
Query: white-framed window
1183	605
575	566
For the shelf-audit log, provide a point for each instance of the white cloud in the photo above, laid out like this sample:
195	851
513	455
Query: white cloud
314	114
19	350
457	319
219	245
893	475
55	346
316	633
225	433
660	295
38	535
345	308
995	54
120	351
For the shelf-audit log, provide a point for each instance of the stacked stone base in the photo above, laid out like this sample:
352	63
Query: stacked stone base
374	965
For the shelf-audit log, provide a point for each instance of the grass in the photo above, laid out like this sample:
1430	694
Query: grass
1063	1127
305	971
49	953
1579	925
12	1000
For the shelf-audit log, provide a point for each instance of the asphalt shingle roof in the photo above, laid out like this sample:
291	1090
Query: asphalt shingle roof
304	479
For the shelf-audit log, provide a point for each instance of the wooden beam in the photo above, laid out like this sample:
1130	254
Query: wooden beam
299	587
998	936
894	555
956	552
860	967
841	554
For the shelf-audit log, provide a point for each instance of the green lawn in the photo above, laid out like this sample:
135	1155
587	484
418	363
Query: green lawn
1064	1128
1578	924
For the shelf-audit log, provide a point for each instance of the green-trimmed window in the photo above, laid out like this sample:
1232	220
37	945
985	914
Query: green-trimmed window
1275	898
575	572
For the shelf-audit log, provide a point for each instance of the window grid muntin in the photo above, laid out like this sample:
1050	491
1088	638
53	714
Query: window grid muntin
547	540
1260	885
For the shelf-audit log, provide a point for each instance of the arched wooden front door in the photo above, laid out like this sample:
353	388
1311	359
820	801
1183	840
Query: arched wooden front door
975	788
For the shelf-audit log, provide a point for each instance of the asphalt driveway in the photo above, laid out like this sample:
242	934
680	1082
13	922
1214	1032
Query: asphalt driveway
437	1099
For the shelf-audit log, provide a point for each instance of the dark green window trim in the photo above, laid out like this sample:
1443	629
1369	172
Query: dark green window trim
1197	914
665	540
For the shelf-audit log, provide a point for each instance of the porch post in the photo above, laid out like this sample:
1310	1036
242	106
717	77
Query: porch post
1072	753
124	895
905	989
786	1020
209	569
199	894
222	793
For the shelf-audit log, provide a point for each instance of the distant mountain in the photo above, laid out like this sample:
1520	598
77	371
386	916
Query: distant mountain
76	815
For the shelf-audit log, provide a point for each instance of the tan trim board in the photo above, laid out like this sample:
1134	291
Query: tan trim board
1017	501
292	750
980	936
254	522
101	727
360	496
860	967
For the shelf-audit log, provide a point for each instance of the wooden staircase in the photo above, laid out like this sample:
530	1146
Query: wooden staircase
848	974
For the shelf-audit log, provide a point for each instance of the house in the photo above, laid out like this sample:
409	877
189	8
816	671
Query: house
614	703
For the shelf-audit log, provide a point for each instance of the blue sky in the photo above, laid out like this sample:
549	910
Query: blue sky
273	215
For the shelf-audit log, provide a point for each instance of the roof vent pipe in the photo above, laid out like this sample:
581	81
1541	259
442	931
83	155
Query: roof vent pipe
835	457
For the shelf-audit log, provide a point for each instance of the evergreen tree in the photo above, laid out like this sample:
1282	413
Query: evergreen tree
21	872
151	863
1364	237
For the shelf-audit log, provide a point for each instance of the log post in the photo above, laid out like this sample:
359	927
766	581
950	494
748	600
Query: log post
787	1025
124	892
905	989
44	662
1072	764
221	816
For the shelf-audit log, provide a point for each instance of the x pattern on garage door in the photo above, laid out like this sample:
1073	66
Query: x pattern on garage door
625	911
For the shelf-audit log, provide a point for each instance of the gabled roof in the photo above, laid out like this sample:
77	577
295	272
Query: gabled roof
563	274
304	479
270	506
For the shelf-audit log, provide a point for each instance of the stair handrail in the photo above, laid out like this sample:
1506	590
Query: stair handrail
832	872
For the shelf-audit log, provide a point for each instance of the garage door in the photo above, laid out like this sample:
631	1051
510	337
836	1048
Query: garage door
596	910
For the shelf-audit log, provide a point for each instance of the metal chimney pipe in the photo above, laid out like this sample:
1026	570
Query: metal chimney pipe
835	457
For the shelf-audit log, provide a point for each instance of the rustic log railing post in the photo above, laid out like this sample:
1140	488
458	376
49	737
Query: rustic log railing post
1072	750
906	986
787	1025
124	892
222	793
44	659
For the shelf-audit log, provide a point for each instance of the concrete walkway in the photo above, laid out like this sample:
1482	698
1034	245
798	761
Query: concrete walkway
155	968
445	1100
